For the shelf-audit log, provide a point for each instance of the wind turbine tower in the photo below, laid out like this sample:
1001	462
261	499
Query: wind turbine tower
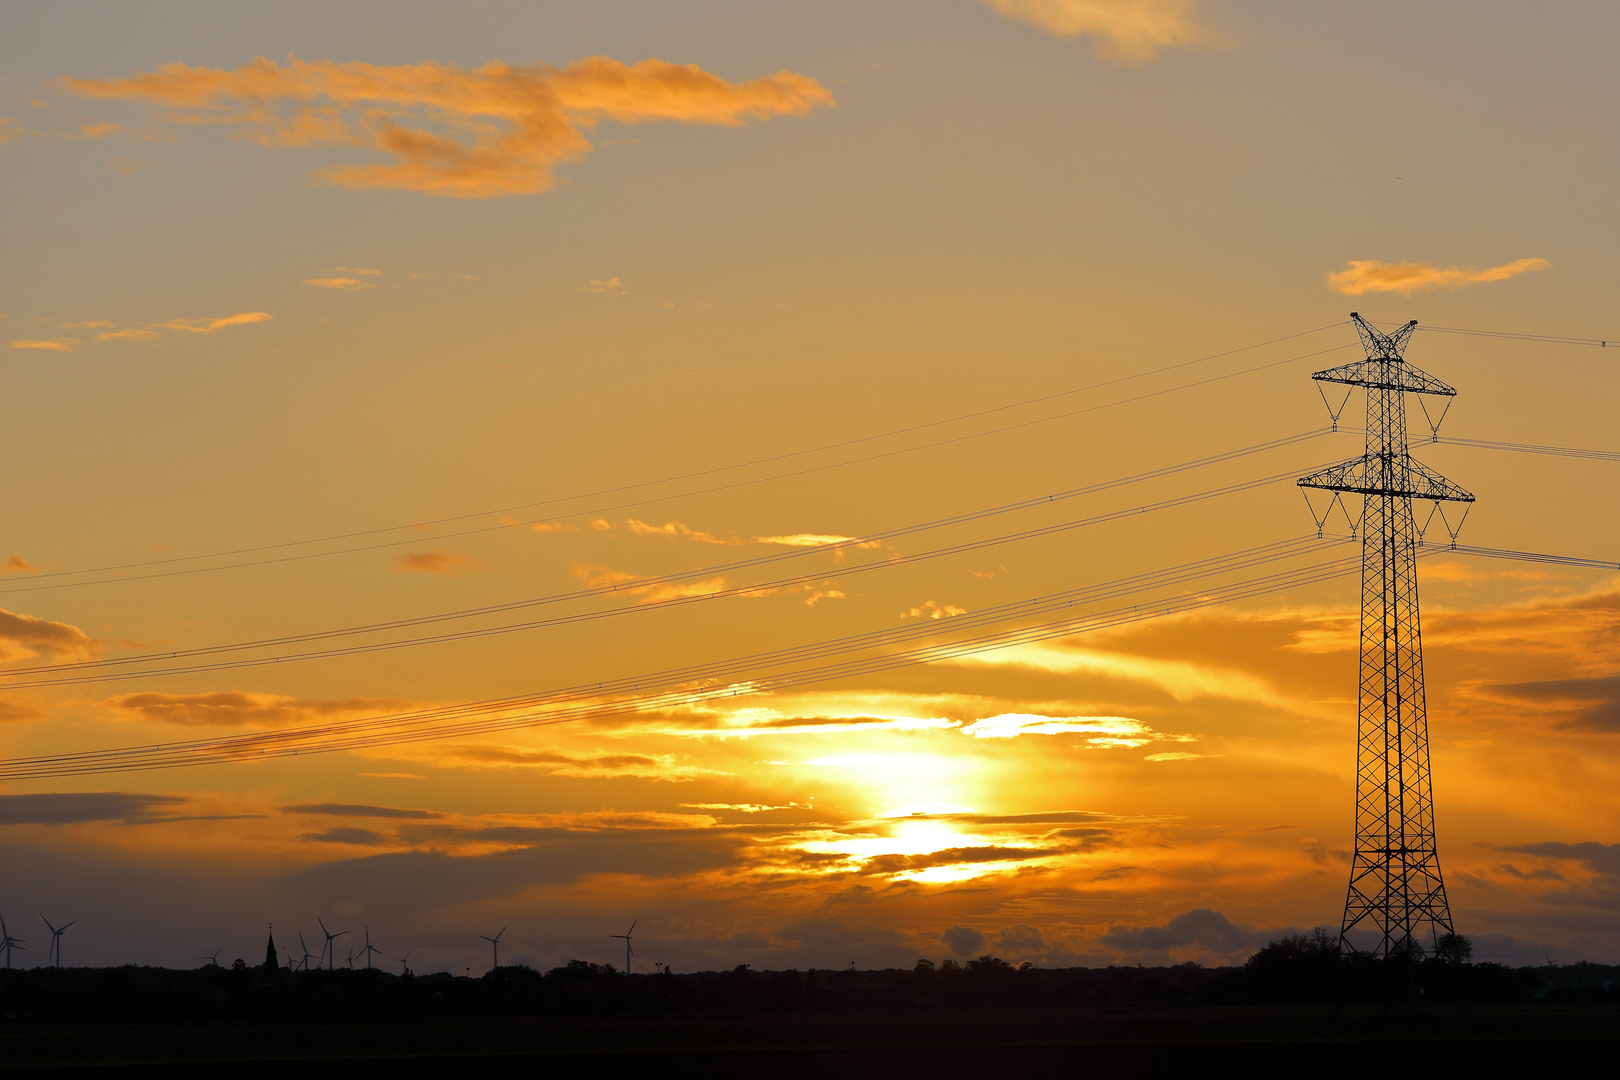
627	949
1396	892
495	948
369	949
56	939
7	942
328	950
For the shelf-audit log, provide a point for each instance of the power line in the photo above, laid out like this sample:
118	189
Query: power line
1522	448
57	678
419	540
1548	338
1521	556
742	675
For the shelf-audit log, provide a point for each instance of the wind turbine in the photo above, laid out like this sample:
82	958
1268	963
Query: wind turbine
627	949
495	948
303	965
7	942
404	961
328	950
369	949
56	939
213	960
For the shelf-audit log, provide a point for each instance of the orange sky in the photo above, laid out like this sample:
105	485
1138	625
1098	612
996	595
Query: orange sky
607	317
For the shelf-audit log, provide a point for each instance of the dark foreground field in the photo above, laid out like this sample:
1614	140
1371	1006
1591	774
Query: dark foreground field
1263	1041
1292	1009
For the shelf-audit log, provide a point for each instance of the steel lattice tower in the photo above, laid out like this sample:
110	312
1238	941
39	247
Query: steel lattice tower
1396	891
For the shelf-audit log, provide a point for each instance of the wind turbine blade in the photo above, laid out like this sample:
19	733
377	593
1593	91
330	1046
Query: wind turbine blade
632	929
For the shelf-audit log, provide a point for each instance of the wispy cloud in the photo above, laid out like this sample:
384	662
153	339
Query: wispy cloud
500	129
244	708
559	763
815	540
676	529
933	609
16	565
339	283
76	807
599	576
436	562
361	270
58	344
157	331
612	287
1099	730
1121	31
1370	275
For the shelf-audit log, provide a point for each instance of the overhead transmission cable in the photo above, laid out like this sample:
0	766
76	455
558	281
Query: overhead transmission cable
684	686
105	670
1520	556
1551	339
1522	448
749	674
504	525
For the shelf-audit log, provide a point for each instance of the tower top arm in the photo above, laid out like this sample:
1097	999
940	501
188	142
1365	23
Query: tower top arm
1385	367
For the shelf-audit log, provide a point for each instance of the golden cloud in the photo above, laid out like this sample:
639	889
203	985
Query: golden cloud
501	128
243	708
435	562
339	283
933	609
675	528
598	576
558	763
25	636
815	540
1370	275
1099	730
16	565
153	331
1121	31
58	344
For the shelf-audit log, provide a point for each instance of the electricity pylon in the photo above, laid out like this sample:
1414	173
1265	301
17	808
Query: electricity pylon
1395	886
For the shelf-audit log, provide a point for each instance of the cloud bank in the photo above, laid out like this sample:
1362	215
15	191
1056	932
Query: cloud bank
497	130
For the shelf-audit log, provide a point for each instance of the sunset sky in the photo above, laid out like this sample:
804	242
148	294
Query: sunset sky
321	316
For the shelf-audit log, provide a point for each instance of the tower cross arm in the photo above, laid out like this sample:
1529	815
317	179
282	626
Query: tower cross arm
1380	374
1400	476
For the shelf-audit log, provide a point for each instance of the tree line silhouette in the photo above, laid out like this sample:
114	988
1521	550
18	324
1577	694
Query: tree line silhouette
1303	969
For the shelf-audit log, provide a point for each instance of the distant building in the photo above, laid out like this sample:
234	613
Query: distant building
271	966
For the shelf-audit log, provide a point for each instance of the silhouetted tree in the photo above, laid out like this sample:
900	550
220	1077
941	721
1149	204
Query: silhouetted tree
1454	949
